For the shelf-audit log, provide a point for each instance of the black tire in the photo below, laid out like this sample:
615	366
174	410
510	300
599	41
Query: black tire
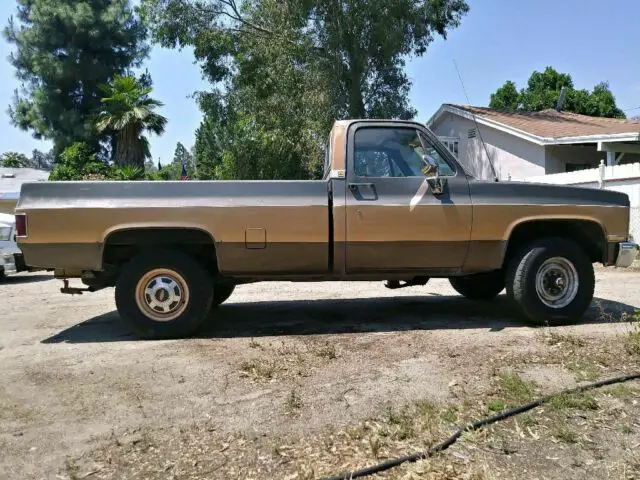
221	293
523	272
175	265
481	286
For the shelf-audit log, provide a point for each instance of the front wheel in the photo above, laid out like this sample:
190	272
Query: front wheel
163	294
551	281
221	293
481	286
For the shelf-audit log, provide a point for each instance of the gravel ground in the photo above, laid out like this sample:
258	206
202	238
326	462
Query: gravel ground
280	360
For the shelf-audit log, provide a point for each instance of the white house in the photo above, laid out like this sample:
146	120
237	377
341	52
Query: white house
523	145
11	180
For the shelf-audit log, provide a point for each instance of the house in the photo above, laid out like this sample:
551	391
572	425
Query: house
11	180
528	144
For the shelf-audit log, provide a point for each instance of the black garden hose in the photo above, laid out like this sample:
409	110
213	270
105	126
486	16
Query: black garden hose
478	424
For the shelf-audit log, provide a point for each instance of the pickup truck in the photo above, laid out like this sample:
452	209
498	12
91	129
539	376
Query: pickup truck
394	205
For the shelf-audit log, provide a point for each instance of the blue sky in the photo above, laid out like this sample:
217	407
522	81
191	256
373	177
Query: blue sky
593	40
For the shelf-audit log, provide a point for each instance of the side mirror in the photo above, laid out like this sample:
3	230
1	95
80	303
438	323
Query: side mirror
430	168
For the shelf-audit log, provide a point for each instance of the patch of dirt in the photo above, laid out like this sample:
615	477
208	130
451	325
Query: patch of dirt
301	380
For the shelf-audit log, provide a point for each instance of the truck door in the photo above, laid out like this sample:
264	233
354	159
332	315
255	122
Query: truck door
396	219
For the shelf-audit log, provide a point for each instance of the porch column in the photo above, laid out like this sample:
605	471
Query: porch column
611	158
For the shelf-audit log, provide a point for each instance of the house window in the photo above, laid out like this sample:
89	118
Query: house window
452	144
472	133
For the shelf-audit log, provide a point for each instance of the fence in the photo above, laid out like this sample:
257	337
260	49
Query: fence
621	178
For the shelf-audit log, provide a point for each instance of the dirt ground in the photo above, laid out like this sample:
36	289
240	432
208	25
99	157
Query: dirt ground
305	380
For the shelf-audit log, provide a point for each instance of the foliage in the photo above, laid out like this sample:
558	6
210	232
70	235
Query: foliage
285	69
78	162
543	90
14	160
126	173
64	51
181	157
41	160
127	113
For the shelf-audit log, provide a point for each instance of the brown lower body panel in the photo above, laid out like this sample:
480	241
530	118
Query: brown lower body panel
291	259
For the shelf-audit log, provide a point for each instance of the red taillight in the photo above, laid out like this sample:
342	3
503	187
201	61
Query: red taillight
21	225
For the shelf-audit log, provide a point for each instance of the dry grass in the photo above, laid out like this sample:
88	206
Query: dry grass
260	369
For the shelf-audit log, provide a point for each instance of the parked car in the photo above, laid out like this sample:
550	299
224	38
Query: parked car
394	205
11	258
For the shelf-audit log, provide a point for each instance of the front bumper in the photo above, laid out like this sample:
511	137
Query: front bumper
7	263
627	253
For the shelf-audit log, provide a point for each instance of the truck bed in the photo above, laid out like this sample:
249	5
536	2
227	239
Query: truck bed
257	226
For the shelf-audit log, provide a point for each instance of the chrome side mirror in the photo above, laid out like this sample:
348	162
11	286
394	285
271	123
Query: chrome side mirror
430	168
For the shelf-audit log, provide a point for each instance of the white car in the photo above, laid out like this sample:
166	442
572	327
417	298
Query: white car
11	260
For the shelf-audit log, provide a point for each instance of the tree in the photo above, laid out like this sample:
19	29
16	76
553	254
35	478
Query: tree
64	51
506	97
288	68
127	113
181	157
41	160
14	160
543	91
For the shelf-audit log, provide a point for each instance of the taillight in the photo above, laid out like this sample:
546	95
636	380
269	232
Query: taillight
21	225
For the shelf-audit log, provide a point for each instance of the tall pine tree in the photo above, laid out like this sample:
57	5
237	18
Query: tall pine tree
64	51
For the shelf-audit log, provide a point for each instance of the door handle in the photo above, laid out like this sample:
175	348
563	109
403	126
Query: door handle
355	186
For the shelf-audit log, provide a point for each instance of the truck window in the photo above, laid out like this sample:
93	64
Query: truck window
393	152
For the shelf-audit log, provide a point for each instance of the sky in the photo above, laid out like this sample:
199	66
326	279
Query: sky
499	40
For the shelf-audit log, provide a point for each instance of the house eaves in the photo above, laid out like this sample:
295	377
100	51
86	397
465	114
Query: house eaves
544	141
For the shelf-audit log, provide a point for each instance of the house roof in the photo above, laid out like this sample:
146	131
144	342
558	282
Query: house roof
548	126
11	180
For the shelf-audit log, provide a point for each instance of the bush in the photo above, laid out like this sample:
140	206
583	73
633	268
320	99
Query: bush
78	162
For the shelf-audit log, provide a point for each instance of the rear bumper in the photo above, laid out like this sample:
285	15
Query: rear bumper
627	253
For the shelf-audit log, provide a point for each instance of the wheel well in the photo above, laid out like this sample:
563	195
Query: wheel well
588	234
122	245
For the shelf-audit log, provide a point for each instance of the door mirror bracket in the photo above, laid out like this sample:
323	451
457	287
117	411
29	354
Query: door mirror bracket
431	171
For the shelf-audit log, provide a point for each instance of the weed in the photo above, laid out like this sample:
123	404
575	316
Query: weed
632	342
621	391
402	424
260	369
449	415
578	401
565	434
496	405
554	338
626	429
527	420
71	468
374	444
293	402
584	370
326	350
515	388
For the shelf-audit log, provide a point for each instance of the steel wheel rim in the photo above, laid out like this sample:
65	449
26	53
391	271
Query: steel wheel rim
557	282
162	295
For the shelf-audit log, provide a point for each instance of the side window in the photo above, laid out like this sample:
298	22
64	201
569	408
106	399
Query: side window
392	152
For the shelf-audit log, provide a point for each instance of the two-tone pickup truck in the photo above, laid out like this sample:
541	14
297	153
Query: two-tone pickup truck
394	205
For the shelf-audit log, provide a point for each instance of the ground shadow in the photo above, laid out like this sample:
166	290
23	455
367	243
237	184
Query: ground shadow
314	317
21	279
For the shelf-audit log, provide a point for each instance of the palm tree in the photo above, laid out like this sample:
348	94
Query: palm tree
126	114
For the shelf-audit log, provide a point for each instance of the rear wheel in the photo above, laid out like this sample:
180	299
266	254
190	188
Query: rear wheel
221	293
163	294
481	286
551	281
